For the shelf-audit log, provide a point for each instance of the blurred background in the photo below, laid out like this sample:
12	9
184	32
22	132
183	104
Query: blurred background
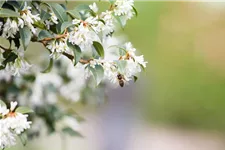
178	103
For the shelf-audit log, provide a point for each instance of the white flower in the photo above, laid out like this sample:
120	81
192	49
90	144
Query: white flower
76	21
29	18
123	7
82	36
3	110
130	49
20	23
94	7
11	124
93	63
18	67
10	28
18	122
7	138
94	23
54	18
108	18
57	48
13	105
140	60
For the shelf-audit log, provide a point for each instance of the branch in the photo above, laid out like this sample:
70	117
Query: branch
5	49
54	38
71	57
46	40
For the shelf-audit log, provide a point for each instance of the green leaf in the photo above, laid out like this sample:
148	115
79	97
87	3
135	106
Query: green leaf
23	138
49	68
59	12
15	4
44	34
65	25
1	3
71	132
135	11
44	15
2	103
74	13
98	73
24	110
39	25
10	58
135	78
122	24
25	35
8	13
99	48
76	51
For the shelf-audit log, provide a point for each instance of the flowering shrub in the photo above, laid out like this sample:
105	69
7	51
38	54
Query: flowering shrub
83	53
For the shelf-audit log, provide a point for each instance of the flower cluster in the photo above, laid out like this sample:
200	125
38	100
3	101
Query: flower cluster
122	70
11	27
12	124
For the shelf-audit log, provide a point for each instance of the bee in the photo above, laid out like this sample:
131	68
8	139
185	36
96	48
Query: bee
120	77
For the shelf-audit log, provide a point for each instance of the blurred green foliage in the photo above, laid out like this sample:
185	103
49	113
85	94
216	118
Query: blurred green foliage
180	88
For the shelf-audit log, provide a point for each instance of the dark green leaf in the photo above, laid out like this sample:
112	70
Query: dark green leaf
76	51
10	58
99	48
135	11
49	68
44	34
59	12
135	78
15	4
25	35
24	110
8	13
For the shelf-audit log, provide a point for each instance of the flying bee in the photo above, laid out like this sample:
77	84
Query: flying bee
120	77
